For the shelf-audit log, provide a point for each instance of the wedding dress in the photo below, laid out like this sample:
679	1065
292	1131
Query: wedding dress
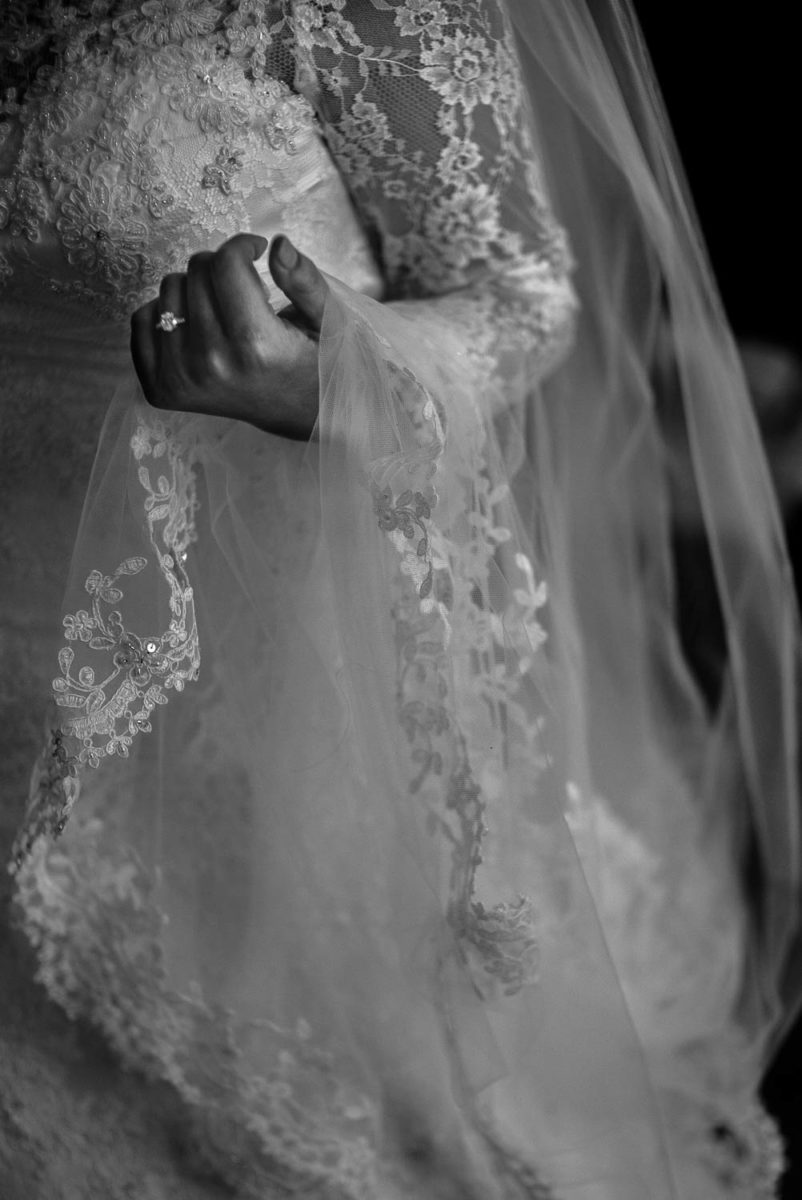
392	828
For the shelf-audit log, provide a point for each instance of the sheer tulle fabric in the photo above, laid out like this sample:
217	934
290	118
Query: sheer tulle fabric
685	445
436	875
355	819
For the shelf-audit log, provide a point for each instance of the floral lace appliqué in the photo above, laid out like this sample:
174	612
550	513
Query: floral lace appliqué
151	131
747	1157
445	205
296	1127
441	620
112	695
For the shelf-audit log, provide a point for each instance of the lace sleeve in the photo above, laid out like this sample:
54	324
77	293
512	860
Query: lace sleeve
423	108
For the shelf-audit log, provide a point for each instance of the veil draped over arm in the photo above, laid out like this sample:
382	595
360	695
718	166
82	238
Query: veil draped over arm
442	780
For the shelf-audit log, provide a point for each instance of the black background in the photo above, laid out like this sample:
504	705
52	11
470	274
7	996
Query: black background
730	79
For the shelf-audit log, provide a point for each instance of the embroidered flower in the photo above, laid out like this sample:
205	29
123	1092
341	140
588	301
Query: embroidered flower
22	208
141	659
321	23
283	122
151	439
501	946
460	68
159	22
744	1153
418	16
464	224
97	240
249	33
458	159
61	99
208	90
220	173
367	125
79	625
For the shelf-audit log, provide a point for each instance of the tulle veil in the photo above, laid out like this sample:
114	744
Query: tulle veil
413	787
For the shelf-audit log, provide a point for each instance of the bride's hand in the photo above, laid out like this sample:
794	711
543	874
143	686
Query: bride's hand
232	356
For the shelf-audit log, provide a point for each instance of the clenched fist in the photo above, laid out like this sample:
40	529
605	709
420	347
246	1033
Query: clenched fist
232	356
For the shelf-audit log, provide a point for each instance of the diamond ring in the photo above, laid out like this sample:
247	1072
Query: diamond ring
168	321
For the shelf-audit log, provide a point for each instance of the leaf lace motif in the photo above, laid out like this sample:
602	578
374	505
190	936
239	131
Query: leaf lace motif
441	617
111	706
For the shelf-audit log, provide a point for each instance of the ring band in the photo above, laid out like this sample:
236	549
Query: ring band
168	321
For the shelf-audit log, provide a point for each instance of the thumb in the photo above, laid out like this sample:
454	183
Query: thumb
299	279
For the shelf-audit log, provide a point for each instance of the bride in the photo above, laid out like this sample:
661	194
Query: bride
382	811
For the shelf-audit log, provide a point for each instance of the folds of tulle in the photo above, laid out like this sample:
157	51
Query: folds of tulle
369	813
680	451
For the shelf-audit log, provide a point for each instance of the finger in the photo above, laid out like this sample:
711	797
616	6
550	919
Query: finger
144	351
173	302
204	328
300	280
240	296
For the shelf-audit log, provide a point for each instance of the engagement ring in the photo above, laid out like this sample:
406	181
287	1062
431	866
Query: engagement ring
168	321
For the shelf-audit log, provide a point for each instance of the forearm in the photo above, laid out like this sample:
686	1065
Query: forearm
432	137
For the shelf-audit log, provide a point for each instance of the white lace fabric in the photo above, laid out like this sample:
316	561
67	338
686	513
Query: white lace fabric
342	883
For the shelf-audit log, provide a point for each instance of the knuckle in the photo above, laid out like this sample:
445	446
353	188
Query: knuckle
255	347
214	370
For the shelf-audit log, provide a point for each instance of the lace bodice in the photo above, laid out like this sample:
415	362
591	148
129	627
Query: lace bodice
141	150
155	129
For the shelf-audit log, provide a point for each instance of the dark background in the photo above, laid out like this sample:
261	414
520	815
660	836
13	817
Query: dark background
730	78
730	81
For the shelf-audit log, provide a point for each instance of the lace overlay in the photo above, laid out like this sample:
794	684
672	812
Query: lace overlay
146	138
442	625
370	132
442	202
292	1129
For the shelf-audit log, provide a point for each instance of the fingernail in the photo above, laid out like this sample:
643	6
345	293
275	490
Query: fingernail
286	253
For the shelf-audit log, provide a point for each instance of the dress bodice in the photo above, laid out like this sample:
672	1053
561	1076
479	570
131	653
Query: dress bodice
138	153
134	153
